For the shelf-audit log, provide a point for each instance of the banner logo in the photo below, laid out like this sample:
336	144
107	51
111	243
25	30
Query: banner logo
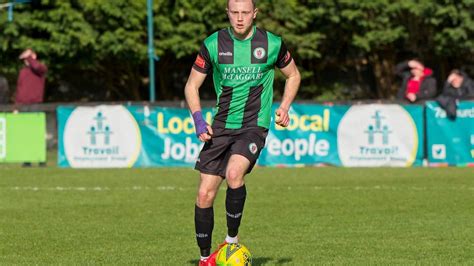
377	129
377	135
438	151
99	129
103	136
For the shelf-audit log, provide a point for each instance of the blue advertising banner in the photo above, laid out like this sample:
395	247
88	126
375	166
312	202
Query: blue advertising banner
168	134
450	141
357	136
142	136
309	139
132	136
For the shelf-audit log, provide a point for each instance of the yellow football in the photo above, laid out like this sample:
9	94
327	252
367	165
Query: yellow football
234	255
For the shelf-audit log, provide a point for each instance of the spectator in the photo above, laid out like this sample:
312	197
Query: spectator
30	84
457	87
418	82
3	90
31	80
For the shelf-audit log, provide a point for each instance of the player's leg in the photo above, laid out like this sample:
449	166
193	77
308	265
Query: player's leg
237	167
204	212
245	151
211	166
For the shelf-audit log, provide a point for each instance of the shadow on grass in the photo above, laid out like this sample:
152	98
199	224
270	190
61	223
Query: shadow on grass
270	261
193	262
258	261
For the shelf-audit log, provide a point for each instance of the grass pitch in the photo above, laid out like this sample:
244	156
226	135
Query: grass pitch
303	216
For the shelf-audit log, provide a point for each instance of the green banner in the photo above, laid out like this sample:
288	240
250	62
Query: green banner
22	137
450	141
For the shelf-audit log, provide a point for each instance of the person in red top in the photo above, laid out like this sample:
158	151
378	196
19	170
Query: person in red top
417	81
31	80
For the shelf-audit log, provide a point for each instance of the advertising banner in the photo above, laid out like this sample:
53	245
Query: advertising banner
375	135
168	136
142	136
309	139
450	141
22	137
356	136
132	136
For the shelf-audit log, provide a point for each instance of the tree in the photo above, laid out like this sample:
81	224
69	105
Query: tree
346	49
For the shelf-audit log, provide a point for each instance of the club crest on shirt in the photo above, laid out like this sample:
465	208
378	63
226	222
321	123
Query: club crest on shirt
259	53
253	148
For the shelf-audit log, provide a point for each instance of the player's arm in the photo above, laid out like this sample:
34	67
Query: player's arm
293	79
191	90
201	68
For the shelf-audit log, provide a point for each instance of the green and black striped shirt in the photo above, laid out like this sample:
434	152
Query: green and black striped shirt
243	74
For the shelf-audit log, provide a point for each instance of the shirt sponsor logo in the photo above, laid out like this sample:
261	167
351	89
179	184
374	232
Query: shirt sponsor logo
225	54
242	73
259	53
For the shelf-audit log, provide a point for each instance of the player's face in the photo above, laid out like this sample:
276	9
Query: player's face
241	15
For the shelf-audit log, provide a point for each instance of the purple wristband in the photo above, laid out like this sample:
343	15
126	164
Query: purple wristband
199	123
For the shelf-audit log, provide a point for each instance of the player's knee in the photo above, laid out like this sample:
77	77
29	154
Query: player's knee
205	198
234	177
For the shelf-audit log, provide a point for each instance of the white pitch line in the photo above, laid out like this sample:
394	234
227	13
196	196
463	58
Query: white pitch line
393	188
97	188
223	188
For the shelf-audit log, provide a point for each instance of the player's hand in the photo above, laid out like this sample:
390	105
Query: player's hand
411	97
206	136
203	130
281	117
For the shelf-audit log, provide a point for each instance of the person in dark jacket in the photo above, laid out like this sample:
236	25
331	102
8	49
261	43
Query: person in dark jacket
417	81
458	86
31	80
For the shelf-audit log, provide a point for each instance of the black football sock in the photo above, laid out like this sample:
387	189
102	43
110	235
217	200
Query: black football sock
234	204
204	223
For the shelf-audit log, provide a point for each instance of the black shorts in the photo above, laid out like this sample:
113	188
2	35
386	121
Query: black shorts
215	154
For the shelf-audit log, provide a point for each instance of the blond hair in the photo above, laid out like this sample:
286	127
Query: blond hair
254	2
